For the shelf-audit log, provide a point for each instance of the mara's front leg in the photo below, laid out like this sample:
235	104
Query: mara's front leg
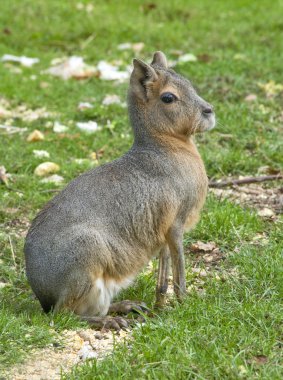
162	276
175	243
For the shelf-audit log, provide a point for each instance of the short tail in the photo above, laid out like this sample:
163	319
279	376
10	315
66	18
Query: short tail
47	305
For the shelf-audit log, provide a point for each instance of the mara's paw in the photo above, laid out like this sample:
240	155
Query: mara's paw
109	323
126	307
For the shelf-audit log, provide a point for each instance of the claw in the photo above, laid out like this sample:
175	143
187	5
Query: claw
111	323
126	307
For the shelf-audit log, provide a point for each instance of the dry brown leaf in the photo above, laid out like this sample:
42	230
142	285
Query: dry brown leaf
109	71
54	178
84	106
204	57
251	98
59	128
36	135
258	359
40	153
46	168
265	212
71	67
136	47
200	272
24	61
88	126
200	246
111	99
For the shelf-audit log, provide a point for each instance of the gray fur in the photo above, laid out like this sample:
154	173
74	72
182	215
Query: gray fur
110	221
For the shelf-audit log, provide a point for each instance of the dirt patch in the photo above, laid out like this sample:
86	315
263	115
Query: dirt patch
73	347
267	201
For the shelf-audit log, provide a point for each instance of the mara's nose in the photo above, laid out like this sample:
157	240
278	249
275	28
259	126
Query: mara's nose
207	110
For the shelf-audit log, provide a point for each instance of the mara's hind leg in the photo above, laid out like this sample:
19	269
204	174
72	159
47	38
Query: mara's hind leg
175	242
162	277
96	303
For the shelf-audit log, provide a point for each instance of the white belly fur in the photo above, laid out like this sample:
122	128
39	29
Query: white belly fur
99	298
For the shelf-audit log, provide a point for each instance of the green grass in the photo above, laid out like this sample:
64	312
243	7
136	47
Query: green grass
213	335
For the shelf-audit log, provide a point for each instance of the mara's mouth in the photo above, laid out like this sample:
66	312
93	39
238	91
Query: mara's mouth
208	123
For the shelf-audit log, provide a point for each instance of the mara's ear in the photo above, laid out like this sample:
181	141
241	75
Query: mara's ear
142	75
159	59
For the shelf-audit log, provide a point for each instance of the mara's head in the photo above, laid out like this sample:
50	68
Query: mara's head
161	101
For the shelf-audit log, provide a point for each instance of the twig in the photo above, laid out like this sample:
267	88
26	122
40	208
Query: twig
245	180
12	252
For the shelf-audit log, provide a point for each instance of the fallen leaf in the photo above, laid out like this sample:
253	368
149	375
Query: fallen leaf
265	212
268	170
82	161
41	153
24	61
7	31
124	46
200	246
85	7
187	58
46	168
176	52
89	126
4	113
44	84
111	99
36	135
59	128
258	359
72	67
251	98
93	156
204	57
107	71
201	272
136	47
148	7
55	178
21	112
84	106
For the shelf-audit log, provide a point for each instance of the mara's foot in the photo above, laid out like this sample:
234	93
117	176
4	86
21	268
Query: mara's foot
126	307
160	301
110	323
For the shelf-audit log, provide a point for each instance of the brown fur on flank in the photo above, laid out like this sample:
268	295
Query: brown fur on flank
93	238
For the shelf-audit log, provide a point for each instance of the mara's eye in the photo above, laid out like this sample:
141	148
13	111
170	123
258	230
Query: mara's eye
168	97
